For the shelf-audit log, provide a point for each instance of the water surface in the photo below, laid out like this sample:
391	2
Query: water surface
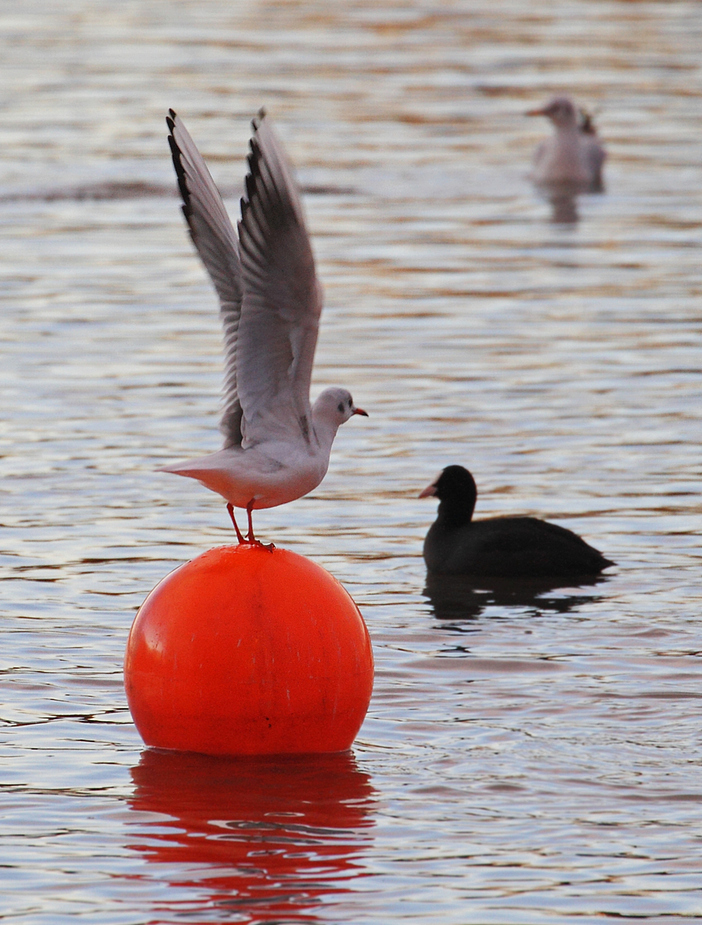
528	756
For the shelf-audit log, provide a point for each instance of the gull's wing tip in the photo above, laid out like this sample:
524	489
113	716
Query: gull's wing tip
177	157
260	116
254	163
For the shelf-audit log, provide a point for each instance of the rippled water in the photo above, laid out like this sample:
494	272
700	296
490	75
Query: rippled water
526	757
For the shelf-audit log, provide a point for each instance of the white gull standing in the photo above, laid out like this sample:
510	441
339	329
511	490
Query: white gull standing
573	155
276	447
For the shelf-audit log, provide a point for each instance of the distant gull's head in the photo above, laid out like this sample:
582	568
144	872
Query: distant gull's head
560	111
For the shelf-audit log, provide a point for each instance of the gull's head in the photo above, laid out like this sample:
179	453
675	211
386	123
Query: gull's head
335	406
560	111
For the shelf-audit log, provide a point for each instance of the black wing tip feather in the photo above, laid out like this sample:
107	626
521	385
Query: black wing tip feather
254	173
253	159
177	158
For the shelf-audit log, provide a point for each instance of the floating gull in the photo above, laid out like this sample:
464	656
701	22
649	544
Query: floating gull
573	154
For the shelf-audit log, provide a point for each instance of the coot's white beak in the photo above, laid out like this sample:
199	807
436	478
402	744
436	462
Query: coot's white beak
428	491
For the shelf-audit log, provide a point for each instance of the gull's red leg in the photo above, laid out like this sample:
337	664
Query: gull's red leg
250	537
249	510
239	534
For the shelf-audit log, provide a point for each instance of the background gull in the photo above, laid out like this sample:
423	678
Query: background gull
276	447
573	154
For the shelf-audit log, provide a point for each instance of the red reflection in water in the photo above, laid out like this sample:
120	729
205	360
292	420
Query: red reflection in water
265	837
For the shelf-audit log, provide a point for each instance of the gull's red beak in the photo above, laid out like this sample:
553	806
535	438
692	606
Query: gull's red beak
535	112
360	411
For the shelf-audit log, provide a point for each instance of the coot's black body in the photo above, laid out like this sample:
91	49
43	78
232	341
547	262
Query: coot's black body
506	547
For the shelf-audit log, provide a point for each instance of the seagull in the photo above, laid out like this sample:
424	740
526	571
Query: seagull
573	155
276	446
498	547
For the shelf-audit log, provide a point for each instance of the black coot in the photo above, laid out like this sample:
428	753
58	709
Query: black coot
505	547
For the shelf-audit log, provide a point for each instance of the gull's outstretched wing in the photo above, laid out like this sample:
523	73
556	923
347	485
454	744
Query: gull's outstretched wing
215	239
282	299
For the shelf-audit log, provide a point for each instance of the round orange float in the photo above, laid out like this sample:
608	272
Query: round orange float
249	650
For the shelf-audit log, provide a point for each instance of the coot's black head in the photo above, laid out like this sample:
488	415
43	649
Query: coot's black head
455	489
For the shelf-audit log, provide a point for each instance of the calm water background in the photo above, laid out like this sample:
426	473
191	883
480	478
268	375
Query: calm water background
525	758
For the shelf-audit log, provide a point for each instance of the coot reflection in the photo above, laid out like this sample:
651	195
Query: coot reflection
460	600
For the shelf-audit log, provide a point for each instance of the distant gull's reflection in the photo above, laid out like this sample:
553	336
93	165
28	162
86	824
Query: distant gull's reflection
459	599
271	834
563	199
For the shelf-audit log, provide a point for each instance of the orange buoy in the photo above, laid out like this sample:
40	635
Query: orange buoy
248	650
